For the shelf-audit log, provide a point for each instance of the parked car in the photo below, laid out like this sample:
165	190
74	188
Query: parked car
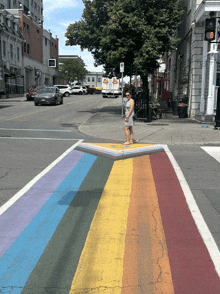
84	90
78	90
48	96
91	90
66	90
98	90
32	90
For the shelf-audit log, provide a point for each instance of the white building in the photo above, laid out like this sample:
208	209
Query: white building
11	44
93	79
193	67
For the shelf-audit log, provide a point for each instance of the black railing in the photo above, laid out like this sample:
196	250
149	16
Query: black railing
142	107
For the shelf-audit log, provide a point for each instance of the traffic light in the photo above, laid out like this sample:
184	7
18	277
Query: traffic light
210	24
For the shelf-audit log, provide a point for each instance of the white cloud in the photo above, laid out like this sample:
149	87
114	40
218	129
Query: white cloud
50	6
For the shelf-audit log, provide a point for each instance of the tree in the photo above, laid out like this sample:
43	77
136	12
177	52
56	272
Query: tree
72	69
140	32
87	32
133	32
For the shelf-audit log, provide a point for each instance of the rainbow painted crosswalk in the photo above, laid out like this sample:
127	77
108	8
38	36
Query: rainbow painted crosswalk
108	218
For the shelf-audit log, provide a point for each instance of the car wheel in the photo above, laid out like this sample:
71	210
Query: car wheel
36	104
66	94
80	93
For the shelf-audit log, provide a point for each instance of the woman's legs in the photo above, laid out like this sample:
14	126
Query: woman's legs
126	129
128	133
131	134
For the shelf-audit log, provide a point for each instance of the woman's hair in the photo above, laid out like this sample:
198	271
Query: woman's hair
129	92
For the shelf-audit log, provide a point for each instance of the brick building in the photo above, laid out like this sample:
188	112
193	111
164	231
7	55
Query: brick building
37	45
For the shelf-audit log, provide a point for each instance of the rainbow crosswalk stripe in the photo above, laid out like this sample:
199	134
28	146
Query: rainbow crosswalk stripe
106	219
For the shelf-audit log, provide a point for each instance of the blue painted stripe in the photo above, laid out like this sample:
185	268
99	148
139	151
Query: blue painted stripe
20	259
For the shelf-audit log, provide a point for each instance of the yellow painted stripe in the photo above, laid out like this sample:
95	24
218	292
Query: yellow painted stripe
100	267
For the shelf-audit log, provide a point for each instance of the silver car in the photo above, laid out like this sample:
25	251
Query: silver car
48	96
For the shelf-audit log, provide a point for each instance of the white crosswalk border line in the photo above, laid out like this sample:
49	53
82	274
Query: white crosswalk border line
214	151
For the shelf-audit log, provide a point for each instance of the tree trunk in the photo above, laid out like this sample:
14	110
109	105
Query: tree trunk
146	96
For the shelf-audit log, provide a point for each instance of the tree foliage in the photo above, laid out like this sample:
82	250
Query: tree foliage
133	32
72	69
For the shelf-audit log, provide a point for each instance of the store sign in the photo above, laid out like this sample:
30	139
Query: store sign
122	67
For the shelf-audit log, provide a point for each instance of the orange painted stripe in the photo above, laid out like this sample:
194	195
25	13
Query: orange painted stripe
146	264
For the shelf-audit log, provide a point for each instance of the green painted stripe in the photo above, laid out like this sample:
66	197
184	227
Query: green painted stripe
55	270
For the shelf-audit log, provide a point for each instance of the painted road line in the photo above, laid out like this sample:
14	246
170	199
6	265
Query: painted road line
191	266
31	138
100	266
35	130
17	217
21	258
60	259
198	218
214	151
4	207
146	263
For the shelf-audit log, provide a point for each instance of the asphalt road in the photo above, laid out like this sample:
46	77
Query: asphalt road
32	138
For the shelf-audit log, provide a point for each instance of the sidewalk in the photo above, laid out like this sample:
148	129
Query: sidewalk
172	130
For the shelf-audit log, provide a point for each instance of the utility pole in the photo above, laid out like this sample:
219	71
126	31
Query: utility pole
211	35
122	71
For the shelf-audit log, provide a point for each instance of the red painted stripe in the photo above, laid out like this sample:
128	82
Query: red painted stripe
191	265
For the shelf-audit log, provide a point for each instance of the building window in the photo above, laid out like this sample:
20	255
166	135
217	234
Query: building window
4	48
93	79
28	49
38	31
11	50
24	27
18	54
25	47
99	80
28	29
45	41
88	79
9	4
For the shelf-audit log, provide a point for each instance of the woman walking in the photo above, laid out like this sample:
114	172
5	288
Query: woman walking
129	122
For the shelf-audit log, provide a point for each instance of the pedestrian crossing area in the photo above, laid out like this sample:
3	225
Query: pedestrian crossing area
109	218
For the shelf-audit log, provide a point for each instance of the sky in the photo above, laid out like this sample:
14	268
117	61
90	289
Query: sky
58	14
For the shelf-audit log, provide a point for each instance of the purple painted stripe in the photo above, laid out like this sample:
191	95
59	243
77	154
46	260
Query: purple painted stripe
14	220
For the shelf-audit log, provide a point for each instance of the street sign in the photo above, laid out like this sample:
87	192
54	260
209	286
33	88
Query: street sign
52	62
122	67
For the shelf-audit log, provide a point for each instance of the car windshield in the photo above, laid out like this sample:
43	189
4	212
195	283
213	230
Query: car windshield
46	90
33	88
